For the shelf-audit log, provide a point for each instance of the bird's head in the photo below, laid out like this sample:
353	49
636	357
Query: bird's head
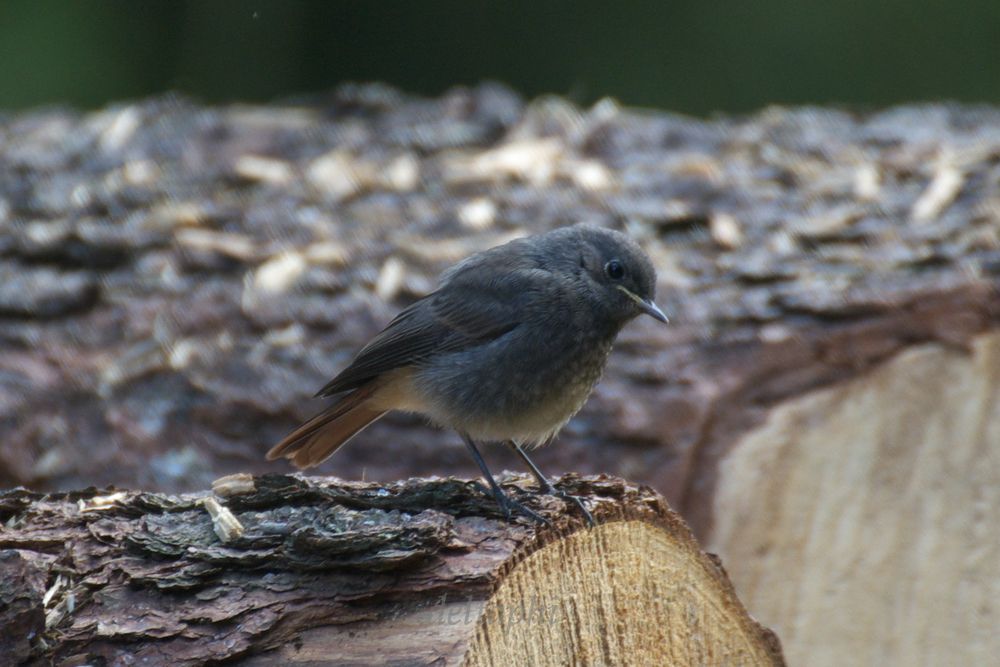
620	273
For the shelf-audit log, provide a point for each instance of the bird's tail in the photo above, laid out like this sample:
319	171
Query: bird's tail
311	443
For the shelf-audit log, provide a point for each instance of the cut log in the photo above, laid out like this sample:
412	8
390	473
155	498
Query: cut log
297	571
891	477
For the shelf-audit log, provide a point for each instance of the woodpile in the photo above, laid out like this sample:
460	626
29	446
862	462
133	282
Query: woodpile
176	281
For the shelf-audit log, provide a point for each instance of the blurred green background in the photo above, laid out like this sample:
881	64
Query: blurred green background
690	56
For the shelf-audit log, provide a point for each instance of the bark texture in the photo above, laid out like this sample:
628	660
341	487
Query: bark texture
284	570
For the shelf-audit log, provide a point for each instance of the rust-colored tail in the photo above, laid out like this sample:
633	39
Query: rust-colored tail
312	442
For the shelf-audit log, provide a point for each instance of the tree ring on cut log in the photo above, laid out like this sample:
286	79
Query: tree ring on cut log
625	592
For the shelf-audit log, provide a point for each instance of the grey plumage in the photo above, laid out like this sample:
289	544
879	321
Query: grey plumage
508	347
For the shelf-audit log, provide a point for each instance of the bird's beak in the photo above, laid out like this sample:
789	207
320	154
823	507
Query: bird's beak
647	306
653	311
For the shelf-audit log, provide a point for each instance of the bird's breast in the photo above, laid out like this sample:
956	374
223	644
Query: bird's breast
524	390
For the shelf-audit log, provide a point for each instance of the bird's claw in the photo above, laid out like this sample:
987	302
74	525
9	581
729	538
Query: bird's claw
550	490
509	506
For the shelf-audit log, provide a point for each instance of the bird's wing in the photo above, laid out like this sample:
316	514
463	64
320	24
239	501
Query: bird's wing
466	311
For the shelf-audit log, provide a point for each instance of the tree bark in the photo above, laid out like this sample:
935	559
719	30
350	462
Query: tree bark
288	570
176	281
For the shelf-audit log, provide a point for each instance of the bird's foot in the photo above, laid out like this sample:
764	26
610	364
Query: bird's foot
509	506
550	490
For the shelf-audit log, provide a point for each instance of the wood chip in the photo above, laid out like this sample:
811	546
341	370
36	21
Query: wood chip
266	170
941	192
237	484
225	524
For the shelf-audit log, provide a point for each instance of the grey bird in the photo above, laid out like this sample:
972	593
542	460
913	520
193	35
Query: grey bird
507	349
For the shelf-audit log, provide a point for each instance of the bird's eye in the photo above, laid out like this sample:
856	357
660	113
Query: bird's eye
614	269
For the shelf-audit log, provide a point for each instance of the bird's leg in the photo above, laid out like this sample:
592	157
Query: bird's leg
546	487
505	502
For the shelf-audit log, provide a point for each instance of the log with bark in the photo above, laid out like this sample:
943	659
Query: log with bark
176	281
294	571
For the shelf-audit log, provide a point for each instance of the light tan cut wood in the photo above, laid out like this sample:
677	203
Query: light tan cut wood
865	516
625	593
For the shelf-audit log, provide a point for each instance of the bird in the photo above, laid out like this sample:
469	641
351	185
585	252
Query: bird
506	349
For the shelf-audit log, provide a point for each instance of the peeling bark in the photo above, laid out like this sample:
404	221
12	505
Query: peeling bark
322	571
